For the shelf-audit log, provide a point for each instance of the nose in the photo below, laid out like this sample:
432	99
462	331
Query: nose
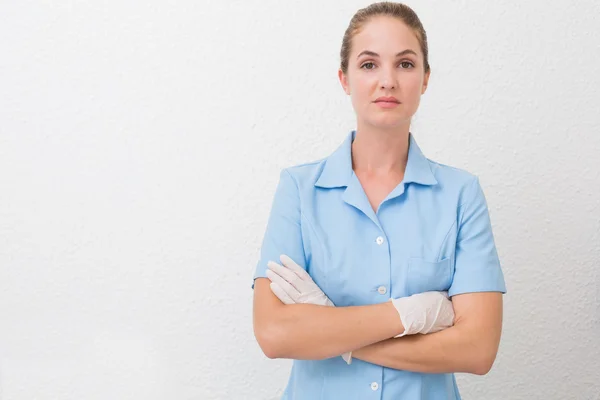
387	79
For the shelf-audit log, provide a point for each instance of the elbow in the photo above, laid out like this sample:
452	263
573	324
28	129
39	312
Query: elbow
481	350
482	364
270	349
270	352
269	341
481	369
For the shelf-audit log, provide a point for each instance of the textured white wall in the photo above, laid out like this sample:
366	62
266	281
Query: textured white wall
140	146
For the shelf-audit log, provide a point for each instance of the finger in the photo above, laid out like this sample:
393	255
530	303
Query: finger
347	357
292	265
281	294
286	274
291	291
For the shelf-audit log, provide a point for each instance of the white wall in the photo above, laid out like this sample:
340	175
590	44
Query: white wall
140	146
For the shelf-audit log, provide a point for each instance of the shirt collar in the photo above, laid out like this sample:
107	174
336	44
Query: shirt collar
337	170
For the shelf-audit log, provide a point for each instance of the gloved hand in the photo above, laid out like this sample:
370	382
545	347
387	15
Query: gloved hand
426	312
293	285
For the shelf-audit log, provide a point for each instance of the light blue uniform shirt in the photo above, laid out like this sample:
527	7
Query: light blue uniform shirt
432	232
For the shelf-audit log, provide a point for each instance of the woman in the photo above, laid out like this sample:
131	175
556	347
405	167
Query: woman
385	235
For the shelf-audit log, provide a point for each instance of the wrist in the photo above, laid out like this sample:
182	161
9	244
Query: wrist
393	316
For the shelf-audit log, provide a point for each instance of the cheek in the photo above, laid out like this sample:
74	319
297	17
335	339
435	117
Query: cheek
413	86
361	95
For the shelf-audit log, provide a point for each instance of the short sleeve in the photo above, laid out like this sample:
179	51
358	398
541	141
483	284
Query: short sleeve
477	267
283	234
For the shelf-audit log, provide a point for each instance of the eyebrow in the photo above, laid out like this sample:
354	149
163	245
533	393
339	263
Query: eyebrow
373	54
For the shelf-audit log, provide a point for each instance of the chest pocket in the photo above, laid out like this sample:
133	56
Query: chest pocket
427	276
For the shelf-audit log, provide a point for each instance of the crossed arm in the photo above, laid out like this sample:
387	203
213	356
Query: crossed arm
311	332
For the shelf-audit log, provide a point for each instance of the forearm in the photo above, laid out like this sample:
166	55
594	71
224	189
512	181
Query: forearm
456	349
310	332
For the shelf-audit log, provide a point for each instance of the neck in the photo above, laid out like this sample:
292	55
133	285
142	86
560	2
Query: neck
380	152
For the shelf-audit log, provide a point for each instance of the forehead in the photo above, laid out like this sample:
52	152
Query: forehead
385	36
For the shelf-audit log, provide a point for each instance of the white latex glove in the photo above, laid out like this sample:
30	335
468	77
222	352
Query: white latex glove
293	285
426	312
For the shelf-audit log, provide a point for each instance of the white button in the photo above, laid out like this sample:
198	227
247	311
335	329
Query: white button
379	240
374	386
382	290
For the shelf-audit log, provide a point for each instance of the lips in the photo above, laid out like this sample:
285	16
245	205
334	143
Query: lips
387	100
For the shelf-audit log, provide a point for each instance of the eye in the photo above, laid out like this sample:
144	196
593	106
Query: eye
367	63
407	62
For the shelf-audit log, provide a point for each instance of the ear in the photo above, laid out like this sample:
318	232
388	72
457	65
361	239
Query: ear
425	81
344	81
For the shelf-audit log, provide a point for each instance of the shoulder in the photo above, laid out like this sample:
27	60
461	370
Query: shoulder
455	181
304	175
295	182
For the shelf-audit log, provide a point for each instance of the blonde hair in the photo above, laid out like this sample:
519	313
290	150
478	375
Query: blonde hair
384	8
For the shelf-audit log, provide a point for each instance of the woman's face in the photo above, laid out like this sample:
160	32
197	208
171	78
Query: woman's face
376	70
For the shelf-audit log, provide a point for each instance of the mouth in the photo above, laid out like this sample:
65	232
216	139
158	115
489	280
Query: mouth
387	104
387	99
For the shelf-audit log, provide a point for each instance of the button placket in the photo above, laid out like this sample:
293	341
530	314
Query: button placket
380	240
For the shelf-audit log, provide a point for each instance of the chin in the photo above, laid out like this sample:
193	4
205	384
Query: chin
389	122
